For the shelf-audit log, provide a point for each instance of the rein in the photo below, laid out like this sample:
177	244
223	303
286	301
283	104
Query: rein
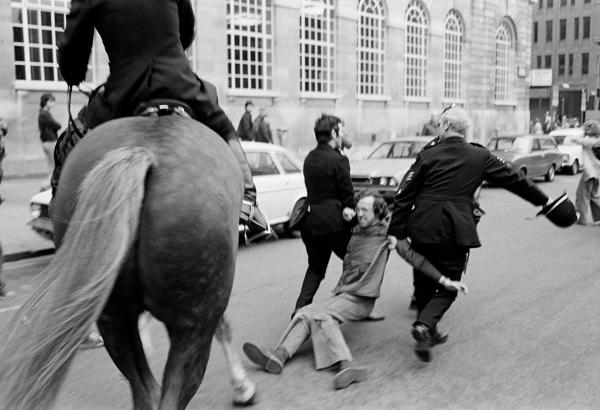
72	123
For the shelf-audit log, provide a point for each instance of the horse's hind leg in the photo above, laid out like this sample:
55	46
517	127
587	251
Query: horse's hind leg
122	340
244	389
186	364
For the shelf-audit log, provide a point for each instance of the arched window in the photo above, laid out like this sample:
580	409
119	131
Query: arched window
504	56
453	42
371	47
249	44
317	46
416	44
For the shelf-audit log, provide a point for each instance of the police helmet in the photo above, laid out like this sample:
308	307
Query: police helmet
561	212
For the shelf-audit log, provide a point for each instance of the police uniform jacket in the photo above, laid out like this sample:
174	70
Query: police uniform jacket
436	204
328	188
145	42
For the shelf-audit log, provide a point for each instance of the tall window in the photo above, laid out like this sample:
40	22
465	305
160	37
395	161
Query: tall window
576	28
453	43
548	61
550	3
504	57
249	45
371	47
541	4
561	64
562	29
535	31
586	27
538	60
35	29
549	30
416	49
585	61
317	46
570	69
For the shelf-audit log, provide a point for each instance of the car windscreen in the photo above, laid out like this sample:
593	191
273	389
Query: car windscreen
400	149
519	144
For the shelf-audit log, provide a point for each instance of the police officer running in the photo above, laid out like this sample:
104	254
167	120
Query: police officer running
435	210
330	198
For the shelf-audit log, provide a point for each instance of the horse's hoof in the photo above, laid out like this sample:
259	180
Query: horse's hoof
245	395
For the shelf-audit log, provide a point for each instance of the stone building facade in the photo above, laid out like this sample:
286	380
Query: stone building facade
383	66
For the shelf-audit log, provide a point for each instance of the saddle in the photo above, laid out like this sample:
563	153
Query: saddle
163	106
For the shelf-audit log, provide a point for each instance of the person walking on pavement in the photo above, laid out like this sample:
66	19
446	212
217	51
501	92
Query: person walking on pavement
330	199
353	298
145	41
588	191
48	127
430	128
435	210
262	128
245	129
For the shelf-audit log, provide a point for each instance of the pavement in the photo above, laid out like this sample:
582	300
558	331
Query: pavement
18	240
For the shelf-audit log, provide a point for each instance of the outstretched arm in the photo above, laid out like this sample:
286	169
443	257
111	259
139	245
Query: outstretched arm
419	262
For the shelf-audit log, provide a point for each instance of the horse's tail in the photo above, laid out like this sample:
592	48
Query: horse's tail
44	335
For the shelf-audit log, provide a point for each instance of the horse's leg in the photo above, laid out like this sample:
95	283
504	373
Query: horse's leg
122	340
244	389
186	364
118	325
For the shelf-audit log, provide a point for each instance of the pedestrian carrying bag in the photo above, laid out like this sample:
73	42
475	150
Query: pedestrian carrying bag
298	214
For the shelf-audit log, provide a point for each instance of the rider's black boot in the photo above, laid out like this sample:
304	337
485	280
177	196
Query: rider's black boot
251	216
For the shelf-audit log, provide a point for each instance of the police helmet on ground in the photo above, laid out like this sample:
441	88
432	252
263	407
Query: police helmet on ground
561	212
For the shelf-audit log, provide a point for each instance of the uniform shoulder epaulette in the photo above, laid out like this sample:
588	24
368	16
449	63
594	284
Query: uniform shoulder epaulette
431	144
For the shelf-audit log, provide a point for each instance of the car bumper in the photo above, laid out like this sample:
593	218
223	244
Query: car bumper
43	227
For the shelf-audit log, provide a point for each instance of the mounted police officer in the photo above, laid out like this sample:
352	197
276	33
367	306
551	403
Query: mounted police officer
145	41
435	210
330	198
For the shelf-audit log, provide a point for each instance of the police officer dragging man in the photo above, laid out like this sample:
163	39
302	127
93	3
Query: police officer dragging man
435	211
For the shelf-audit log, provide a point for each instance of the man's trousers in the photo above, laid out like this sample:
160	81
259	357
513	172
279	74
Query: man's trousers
433	299
319	249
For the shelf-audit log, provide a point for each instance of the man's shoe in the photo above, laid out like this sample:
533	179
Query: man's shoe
422	335
265	359
349	375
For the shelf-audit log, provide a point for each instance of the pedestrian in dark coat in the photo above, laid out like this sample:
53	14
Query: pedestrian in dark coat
262	129
246	126
435	210
330	200
145	41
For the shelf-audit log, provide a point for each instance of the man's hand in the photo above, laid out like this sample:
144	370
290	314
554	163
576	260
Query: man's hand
348	214
454	285
393	241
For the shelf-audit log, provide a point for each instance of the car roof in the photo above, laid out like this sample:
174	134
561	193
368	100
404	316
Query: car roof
567	132
261	146
528	136
410	139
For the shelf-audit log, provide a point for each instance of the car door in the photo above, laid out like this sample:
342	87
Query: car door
535	159
550	155
268	180
293	184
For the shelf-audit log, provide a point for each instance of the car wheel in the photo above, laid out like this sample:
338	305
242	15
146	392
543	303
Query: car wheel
523	172
550	174
574	168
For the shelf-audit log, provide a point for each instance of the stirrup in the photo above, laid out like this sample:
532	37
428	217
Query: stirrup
255	223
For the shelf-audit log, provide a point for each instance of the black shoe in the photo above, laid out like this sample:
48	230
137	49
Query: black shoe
264	358
422	335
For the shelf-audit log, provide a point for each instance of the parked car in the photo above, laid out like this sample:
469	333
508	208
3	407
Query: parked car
384	168
564	139
532	155
277	175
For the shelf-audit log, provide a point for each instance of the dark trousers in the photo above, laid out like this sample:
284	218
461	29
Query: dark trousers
319	249
432	299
